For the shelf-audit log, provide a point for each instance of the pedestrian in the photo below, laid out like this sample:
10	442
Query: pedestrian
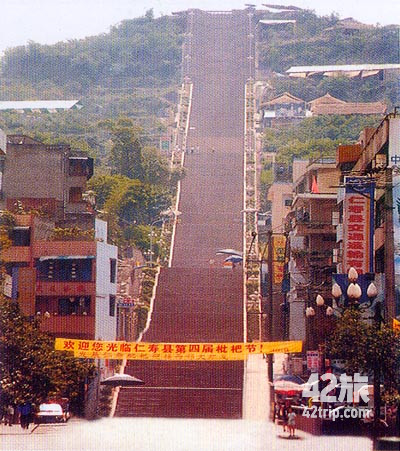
198	149
25	412
192	149
284	416
291	421
9	416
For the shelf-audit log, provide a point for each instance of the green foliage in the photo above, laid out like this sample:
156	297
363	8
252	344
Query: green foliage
155	167
126	152
103	185
315	136
364	347
30	368
135	52
72	234
137	202
310	43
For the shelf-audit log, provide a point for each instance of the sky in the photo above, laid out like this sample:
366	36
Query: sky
50	21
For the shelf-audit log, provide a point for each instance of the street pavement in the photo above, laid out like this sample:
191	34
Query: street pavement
155	434
253	433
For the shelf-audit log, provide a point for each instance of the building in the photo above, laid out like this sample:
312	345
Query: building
59	265
70	281
375	159
312	238
49	178
328	104
39	106
282	109
279	199
383	71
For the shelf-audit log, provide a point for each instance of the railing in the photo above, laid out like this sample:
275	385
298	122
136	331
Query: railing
250	207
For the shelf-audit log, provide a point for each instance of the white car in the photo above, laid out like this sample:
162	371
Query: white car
51	413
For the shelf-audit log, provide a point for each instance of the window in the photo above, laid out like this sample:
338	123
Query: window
75	194
380	212
21	236
288	202
380	260
74	305
113	270
112	305
65	270
78	167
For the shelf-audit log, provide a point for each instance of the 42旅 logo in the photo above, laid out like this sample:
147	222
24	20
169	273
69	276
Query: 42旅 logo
348	389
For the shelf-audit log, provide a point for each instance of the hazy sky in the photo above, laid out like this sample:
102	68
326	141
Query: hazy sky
49	21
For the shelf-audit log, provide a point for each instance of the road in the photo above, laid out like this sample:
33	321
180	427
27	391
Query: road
156	434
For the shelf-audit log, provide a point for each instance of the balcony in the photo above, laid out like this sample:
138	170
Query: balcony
44	288
314	228
71	325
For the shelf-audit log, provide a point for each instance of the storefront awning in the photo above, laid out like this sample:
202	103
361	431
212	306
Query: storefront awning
65	257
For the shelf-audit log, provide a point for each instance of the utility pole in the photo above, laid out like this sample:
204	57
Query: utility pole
270	307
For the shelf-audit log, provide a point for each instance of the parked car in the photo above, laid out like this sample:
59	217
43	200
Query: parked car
52	412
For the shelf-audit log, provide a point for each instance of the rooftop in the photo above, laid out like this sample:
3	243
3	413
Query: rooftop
328	104
350	70
40	105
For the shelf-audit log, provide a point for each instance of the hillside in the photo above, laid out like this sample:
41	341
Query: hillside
326	40
134	71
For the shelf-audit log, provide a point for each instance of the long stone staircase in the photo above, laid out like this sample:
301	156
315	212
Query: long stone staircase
197	299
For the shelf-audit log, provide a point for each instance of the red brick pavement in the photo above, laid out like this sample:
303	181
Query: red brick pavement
197	299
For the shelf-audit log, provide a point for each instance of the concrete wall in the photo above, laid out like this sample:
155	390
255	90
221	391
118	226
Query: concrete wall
106	325
277	194
33	171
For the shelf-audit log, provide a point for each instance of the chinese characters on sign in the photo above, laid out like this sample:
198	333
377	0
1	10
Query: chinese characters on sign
358	223
92	349
278	257
313	360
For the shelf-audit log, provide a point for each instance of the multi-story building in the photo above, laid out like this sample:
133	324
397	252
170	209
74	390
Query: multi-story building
312	240
70	282
59	265
49	178
375	159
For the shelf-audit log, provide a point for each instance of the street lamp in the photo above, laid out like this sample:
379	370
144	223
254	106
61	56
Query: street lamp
350	298
165	215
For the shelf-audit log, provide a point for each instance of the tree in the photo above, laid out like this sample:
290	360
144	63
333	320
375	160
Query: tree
103	186
126	153
30	368
136	202
369	349
155	167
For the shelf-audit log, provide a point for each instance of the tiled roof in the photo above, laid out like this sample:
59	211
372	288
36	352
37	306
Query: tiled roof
328	104
286	97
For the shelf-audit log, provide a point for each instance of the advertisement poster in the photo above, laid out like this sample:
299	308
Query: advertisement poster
358	224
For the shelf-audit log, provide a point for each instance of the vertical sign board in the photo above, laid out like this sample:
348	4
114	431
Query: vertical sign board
358	224
394	163
313	361
278	257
